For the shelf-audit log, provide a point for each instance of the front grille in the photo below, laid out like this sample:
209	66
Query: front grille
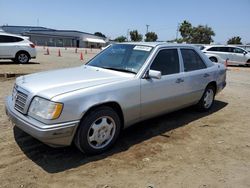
20	101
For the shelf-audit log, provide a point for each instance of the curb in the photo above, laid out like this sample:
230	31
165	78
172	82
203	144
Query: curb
11	75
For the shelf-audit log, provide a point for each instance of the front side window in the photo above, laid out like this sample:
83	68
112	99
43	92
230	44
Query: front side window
122	57
166	61
238	50
192	61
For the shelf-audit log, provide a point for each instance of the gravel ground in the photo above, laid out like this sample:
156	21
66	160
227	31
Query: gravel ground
48	62
182	149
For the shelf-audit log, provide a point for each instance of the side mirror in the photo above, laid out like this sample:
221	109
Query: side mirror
244	52
154	74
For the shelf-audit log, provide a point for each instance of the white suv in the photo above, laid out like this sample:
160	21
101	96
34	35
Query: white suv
221	53
17	48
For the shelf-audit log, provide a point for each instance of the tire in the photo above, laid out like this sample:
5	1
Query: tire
207	100
248	62
22	57
214	59
98	131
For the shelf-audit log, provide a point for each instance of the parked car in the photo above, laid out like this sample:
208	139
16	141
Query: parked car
124	84
233	55
17	48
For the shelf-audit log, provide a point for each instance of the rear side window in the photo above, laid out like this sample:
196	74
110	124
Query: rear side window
192	61
7	39
166	61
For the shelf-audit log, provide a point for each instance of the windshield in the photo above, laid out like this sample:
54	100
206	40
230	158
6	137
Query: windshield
122	57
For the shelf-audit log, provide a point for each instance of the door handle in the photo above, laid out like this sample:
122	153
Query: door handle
179	80
206	75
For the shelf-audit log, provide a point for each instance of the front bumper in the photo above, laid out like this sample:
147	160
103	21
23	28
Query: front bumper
55	135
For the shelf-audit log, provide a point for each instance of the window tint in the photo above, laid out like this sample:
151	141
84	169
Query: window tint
6	39
166	61
213	49
220	49
191	60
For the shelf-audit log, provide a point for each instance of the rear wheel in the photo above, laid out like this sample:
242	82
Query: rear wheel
22	57
98	131
213	59
207	99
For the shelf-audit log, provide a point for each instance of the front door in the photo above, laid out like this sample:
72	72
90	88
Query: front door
162	95
238	56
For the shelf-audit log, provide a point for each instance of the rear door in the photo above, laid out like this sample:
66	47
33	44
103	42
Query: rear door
196	74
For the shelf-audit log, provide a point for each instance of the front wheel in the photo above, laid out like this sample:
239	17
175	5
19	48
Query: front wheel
98	131
207	99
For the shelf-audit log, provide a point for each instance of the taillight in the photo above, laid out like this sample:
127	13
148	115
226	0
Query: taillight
32	45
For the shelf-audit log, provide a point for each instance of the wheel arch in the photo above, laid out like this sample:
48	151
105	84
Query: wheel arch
22	51
214	84
112	104
214	57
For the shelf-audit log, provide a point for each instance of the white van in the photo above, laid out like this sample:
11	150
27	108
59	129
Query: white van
233	55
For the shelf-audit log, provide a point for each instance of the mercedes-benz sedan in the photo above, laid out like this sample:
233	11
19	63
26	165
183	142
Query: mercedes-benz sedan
124	84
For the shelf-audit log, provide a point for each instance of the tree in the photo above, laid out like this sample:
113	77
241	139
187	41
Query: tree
120	39
135	36
202	35
186	29
151	37
234	40
99	34
197	35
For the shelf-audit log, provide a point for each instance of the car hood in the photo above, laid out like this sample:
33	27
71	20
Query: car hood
52	83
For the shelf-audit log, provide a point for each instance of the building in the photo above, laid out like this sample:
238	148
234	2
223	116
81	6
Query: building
42	36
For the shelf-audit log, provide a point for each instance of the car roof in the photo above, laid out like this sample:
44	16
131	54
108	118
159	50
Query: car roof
220	45
163	44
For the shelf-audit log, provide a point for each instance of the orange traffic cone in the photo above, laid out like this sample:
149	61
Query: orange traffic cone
81	56
76	50
59	53
47	52
226	63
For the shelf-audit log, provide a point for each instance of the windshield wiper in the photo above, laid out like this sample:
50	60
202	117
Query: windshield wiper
121	70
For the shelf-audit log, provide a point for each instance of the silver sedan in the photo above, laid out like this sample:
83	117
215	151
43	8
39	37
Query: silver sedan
124	84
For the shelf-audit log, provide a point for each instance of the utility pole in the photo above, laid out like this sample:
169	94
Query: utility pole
37	21
147	26
127	35
177	31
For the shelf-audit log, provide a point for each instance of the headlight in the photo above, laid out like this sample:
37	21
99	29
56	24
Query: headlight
43	108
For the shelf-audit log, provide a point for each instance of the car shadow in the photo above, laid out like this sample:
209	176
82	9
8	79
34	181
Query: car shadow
54	160
13	63
244	66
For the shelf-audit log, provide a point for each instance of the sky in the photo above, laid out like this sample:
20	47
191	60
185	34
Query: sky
114	18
